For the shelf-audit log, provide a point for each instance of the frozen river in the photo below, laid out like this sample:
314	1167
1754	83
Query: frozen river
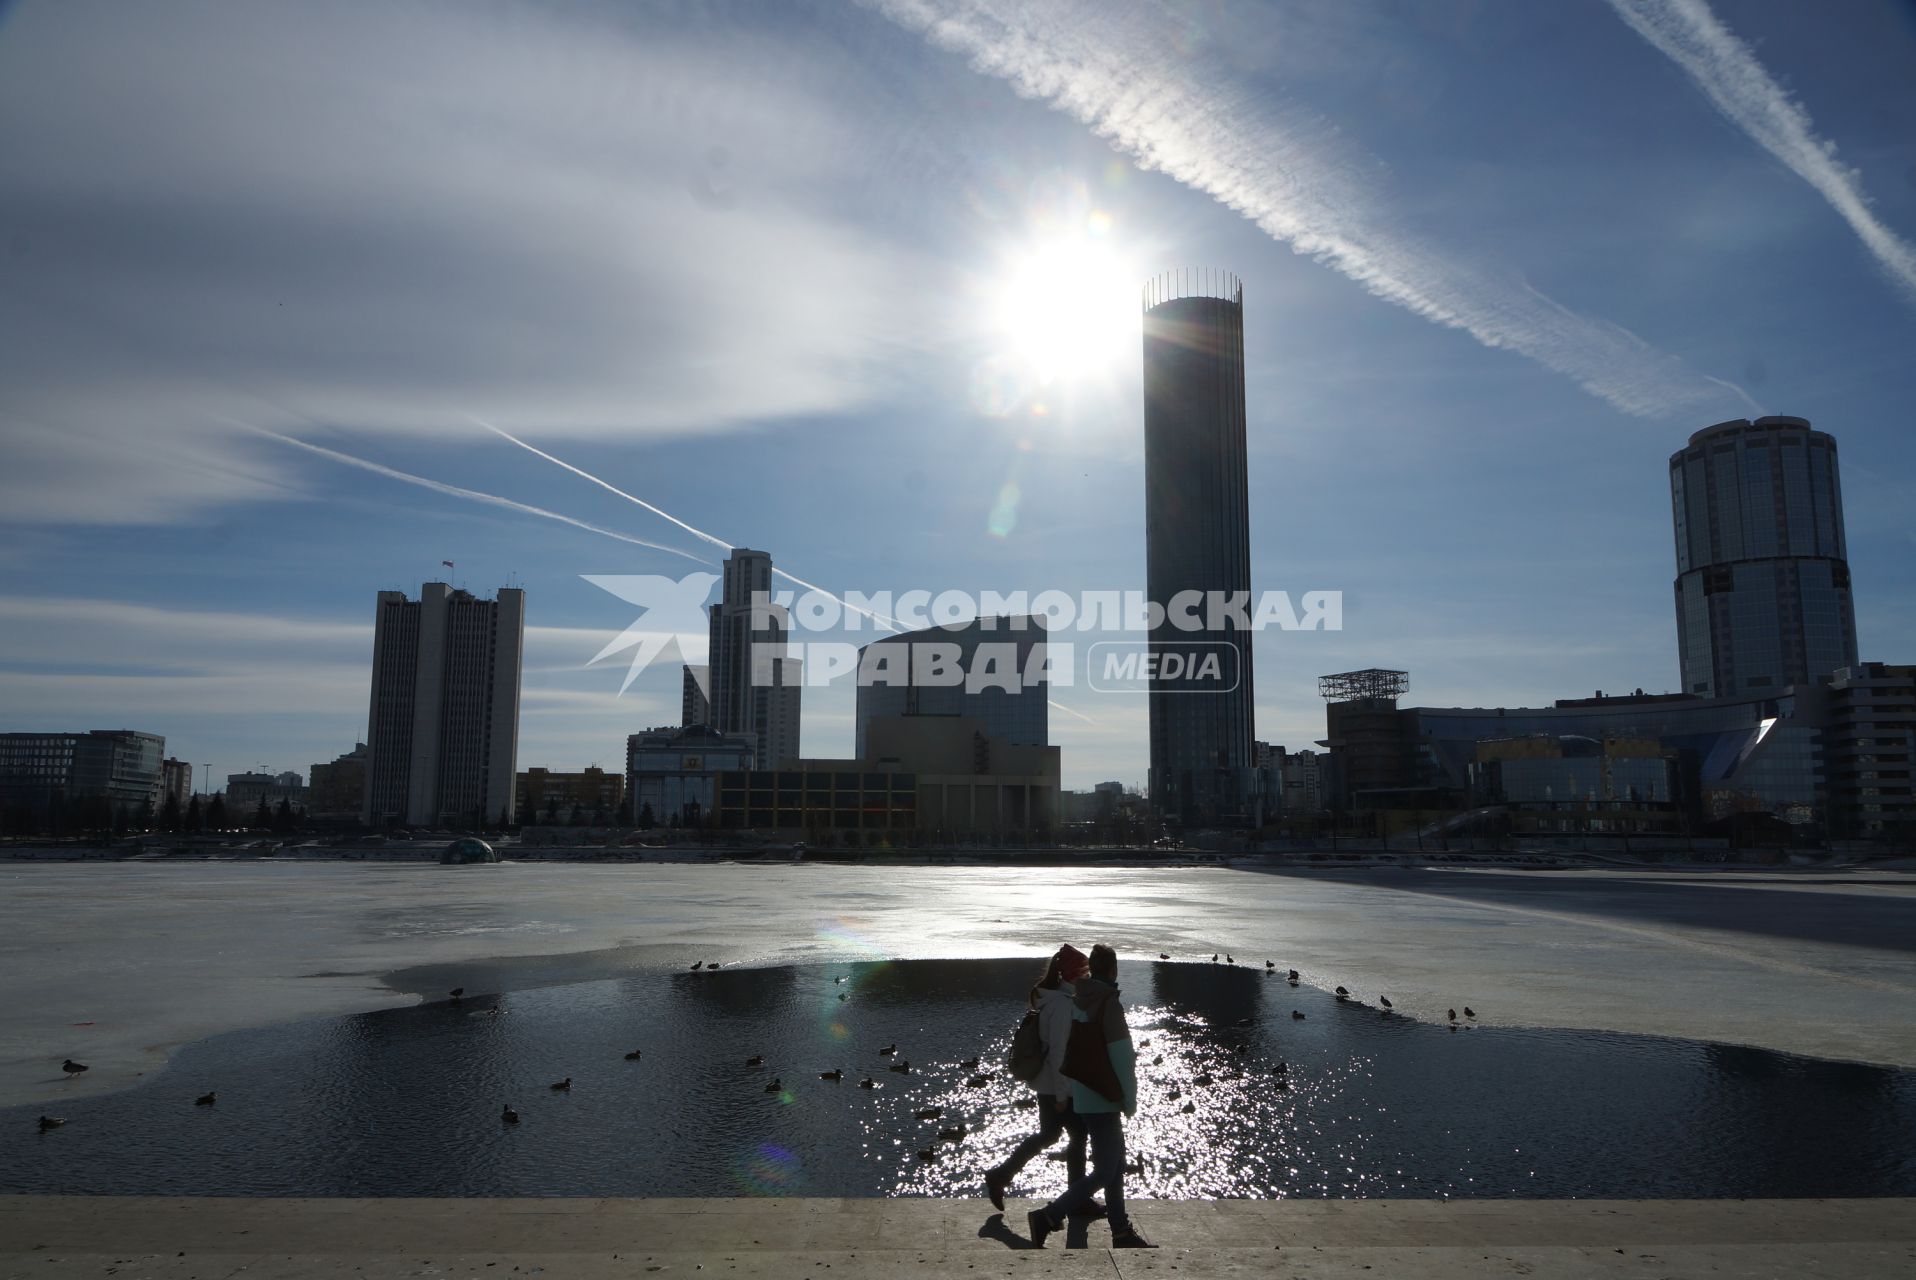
118	964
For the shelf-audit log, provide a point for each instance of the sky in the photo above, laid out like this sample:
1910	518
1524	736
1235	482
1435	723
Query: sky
858	284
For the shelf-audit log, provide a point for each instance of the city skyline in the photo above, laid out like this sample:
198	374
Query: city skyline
872	411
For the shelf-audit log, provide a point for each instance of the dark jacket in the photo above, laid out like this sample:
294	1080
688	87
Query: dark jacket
1098	999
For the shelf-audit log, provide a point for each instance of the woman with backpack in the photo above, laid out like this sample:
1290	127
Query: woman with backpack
1102	1066
1050	1002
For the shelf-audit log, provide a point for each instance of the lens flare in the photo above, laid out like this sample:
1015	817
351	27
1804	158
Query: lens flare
1004	516
999	385
768	1170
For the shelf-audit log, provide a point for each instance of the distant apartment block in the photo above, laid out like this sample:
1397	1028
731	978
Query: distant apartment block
176	783
547	796
443	728
338	787
1869	750
1288	781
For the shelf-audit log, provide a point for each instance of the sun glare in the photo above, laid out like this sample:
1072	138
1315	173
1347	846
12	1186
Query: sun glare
1069	308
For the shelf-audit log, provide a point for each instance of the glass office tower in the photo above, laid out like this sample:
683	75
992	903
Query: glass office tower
1197	538
1762	587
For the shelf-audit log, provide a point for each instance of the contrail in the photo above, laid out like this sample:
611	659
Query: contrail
453	490
714	539
1059	706
1124	76
503	434
1728	73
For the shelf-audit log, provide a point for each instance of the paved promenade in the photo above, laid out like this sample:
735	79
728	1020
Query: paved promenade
260	1239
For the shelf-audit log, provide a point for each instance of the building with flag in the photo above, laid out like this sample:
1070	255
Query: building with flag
442	732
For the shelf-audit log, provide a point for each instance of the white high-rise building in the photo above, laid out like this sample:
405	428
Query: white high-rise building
753	687
443	733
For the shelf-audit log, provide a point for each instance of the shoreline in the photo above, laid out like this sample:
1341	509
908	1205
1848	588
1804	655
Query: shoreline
120	964
404	853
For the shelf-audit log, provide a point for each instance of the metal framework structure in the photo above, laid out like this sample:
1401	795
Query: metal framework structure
1193	282
1371	682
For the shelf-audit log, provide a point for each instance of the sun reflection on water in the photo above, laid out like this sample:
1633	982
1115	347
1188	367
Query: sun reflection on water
1218	1116
750	1082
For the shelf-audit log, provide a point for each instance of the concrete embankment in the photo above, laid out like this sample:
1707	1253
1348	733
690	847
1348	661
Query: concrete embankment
289	1239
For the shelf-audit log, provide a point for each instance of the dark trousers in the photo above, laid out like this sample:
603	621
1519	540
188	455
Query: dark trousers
1106	1130
1051	1123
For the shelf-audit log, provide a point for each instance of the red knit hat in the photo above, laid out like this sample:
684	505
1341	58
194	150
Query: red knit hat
1072	963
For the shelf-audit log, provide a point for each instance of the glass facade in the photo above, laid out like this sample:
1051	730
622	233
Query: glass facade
1197	538
120	767
1762	588
1738	753
1587	780
820	799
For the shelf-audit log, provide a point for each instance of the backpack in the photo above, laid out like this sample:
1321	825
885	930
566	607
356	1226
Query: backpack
1026	1059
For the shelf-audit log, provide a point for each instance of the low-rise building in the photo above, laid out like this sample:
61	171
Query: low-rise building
924	776
245	792
589	795
1565	783
671	774
338	788
1100	804
176	784
970	783
97	777
1735	755
817	798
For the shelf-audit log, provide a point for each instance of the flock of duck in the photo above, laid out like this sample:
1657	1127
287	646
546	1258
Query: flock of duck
978	1079
1342	993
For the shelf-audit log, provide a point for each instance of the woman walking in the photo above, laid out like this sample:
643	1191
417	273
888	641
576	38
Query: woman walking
1095	1001
1051	998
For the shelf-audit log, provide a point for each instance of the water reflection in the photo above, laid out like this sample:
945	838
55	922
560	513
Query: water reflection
1236	1098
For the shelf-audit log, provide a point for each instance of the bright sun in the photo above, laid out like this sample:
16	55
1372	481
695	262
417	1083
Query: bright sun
1069	309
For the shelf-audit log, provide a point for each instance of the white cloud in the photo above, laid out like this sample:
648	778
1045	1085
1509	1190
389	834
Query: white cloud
79	632
389	217
1728	73
1135	79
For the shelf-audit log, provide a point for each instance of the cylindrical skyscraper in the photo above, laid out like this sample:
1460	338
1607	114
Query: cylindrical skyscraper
1197	539
1762	587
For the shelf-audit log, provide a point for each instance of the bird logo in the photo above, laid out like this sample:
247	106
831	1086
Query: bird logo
671	613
